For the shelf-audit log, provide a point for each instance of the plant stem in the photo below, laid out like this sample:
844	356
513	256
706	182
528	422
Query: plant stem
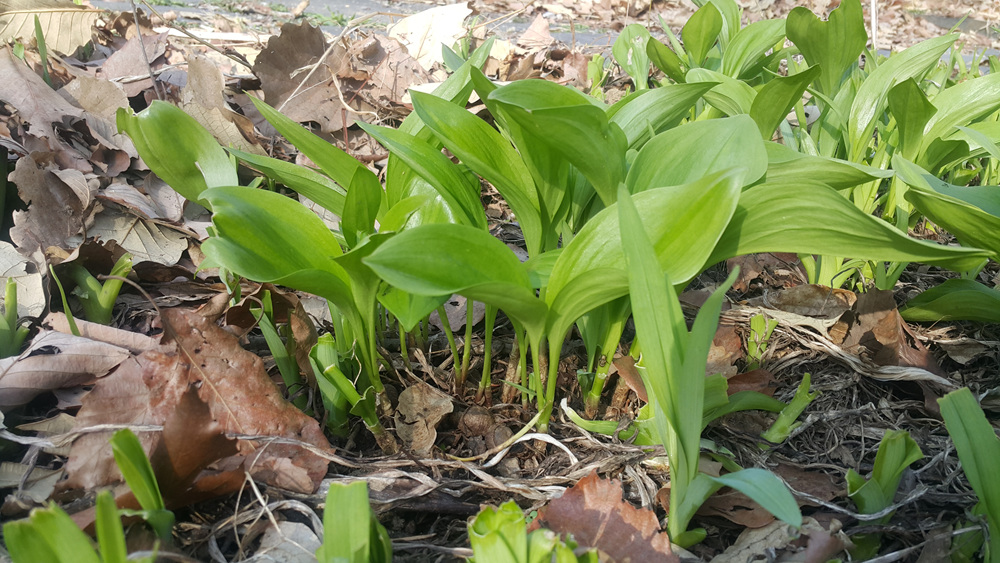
443	315
484	382
467	346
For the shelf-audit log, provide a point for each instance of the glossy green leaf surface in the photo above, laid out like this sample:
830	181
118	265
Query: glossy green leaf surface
436	260
664	59
644	114
189	167
488	154
457	186
700	33
629	51
694	150
910	107
896	452
954	300
305	181
810	218
972	213
777	98
870	100
978	449
135	467
572	125
785	165
834	45
744	54
48	535
767	490
730	96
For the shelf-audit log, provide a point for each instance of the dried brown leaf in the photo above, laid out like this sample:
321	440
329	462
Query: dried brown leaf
59	202
54	361
147	390
595	514
423	33
880	331
129	62
420	409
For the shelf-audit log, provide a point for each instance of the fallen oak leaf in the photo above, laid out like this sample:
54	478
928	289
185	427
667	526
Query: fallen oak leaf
146	389
595	514
191	442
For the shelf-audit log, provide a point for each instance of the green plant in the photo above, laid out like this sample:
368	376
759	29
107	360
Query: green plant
351	532
786	421
761	328
98	299
283	352
12	333
499	534
979	452
50	535
674	374
896	452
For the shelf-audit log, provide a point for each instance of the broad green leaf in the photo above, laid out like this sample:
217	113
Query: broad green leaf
644	114
346	524
488	154
674	394
459	188
731	14
267	237
682	221
443	259
809	218
364	198
664	59
746	52
110	536
189	167
694	150
48	535
629	51
870	101
767	490
135	467
978	451
341	167
730	96
399	214
896	452
499	535
701	32
786	165
972	213
954	300
570	123
834	45
408	308
912	111
304	181
777	98
961	105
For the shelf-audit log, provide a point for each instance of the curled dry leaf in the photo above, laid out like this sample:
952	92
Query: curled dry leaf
420	409
878	330
147	389
54	361
30	293
594	512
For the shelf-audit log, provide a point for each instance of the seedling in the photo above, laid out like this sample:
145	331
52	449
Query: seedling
12	333
979	451
760	335
499	534
674	375
98	299
51	535
896	452
351	533
283	352
786	421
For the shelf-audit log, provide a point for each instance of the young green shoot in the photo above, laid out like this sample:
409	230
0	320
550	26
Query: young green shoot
98	299
760	335
12	333
351	532
786	421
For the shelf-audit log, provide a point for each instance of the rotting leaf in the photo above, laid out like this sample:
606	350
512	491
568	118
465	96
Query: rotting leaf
58	204
146	389
879	329
420	409
774	269
594	512
129	61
